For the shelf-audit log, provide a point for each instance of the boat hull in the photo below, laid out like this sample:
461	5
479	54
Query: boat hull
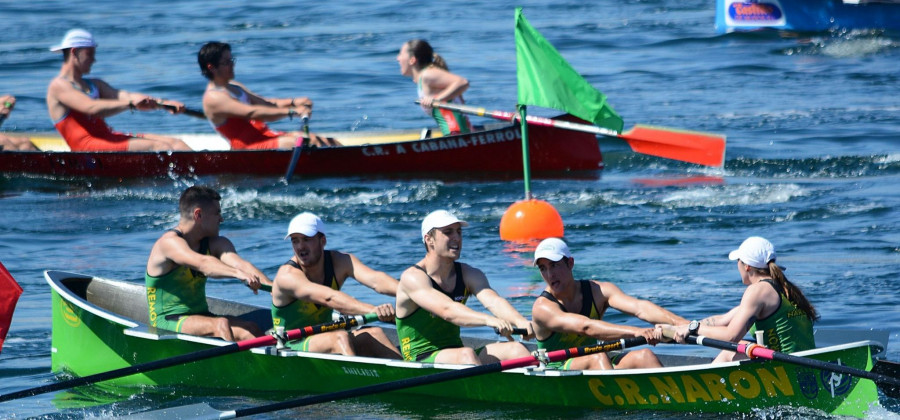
497	150
88	339
805	15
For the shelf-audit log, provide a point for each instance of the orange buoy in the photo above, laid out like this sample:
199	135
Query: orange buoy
531	219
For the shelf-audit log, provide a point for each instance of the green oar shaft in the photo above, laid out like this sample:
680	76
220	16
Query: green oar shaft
345	323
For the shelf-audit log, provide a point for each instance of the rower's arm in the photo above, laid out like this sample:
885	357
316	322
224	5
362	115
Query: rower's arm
62	92
293	282
742	317
478	284
172	250
719	320
640	308
441	85
548	318
219	106
378	281
416	286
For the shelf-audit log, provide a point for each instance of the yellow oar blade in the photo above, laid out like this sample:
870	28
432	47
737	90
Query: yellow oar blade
688	146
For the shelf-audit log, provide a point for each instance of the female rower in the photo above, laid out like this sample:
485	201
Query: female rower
771	304
435	84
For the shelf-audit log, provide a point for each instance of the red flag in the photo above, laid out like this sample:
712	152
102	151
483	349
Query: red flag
9	295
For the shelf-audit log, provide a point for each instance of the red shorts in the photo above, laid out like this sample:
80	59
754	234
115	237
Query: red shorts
87	135
270	143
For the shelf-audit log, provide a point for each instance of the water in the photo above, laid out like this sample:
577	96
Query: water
812	162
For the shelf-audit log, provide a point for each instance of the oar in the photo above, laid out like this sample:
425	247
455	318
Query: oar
756	351
687	146
515	331
888	368
204	411
187	111
235	347
295	157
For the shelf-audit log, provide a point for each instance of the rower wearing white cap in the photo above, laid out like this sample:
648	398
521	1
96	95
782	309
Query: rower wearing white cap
307	290
432	296
78	105
770	303
569	313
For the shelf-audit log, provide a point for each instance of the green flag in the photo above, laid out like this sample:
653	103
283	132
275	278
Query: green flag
546	79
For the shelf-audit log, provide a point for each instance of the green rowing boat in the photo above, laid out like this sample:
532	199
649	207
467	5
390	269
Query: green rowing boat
101	324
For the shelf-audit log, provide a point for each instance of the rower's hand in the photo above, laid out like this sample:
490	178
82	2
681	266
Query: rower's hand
143	102
652	335
527	327
667	331
7	103
302	101
426	102
251	280
385	312
303	111
502	327
173	107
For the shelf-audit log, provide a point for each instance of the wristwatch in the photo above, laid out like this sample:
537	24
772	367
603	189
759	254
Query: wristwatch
694	327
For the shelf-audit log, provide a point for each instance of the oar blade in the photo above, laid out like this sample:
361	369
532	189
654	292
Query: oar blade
687	146
888	368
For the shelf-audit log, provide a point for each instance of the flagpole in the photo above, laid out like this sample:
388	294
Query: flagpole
526	160
530	219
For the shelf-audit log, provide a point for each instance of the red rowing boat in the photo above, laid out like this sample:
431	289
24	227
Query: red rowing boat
495	150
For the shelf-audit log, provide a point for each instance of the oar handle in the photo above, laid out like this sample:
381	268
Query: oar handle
187	111
515	331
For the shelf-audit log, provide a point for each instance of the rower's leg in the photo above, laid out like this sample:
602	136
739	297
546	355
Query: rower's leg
337	342
458	355
639	359
374	342
496	352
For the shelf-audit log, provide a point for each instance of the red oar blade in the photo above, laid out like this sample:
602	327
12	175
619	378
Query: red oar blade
688	146
9	295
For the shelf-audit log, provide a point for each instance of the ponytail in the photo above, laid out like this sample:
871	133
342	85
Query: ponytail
439	62
792	292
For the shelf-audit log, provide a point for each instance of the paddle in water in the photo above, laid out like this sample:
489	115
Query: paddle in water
204	411
298	149
266	340
687	146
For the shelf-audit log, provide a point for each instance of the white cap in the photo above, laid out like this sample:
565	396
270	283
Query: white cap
305	223
439	219
553	249
75	38
755	252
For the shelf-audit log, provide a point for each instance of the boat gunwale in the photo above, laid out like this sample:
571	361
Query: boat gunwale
55	278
